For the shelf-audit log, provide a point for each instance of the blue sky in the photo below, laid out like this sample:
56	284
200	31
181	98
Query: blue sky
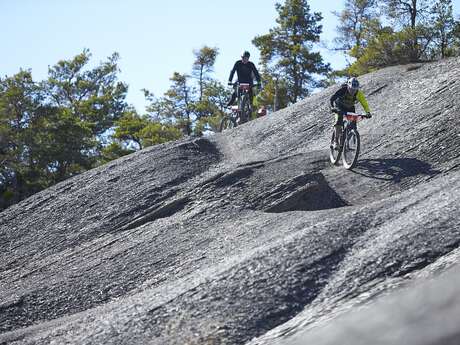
154	38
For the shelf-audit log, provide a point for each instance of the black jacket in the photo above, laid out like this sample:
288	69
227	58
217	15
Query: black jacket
245	72
346	101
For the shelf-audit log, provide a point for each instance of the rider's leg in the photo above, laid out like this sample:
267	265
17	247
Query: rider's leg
232	99
339	123
251	102
338	126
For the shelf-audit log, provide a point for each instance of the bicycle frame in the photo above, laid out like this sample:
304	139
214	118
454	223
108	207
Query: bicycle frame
242	88
350	130
353	118
241	112
242	91
350	121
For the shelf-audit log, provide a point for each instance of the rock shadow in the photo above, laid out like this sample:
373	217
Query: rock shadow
163	210
304	193
394	169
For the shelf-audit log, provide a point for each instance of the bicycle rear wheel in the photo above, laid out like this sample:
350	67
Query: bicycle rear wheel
227	122
335	153
351	148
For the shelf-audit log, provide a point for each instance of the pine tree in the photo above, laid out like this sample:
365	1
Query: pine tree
412	16
354	22
203	65
53	129
288	46
191	107
19	99
443	28
141	130
177	105
93	95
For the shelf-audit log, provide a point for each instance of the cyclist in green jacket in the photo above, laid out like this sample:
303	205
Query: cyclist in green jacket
343	101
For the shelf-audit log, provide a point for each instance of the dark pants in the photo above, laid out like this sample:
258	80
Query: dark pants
233	98
339	116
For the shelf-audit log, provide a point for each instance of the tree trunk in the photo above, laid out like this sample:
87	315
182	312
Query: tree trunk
413	18
275	100
295	94
201	83
413	14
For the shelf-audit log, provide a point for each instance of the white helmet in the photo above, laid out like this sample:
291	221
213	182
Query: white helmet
353	85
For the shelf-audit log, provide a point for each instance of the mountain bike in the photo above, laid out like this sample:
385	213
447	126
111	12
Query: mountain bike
241	112
349	143
230	120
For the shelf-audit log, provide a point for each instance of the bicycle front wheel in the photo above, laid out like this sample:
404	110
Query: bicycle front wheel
245	109
351	148
227	122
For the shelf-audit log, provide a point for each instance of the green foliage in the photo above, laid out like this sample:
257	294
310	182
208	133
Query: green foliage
408	13
143	130
19	99
113	151
203	65
210	123
54	129
157	133
191	108
130	126
211	108
92	95
385	49
61	143
444	26
354	22
421	30
288	48
177	105
274	95
454	48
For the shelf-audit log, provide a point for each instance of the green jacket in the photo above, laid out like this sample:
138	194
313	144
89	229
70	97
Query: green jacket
345	100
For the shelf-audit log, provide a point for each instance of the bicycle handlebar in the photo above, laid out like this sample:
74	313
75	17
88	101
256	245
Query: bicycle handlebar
358	115
238	83
337	111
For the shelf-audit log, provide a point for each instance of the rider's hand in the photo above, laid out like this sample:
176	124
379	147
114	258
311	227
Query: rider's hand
259	87
369	115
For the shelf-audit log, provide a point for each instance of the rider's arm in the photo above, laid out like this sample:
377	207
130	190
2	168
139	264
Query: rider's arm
232	72
336	95
362	99
256	73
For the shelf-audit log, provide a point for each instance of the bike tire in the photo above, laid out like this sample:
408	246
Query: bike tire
334	154
245	109
351	148
227	122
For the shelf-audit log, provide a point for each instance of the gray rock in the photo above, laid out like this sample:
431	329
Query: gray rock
252	236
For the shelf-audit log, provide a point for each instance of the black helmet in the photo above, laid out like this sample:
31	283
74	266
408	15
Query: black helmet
245	54
353	85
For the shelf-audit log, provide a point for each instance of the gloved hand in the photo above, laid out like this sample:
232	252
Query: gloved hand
369	115
259	87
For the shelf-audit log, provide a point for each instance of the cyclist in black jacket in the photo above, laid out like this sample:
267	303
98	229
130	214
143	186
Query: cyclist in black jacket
246	71
344	101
